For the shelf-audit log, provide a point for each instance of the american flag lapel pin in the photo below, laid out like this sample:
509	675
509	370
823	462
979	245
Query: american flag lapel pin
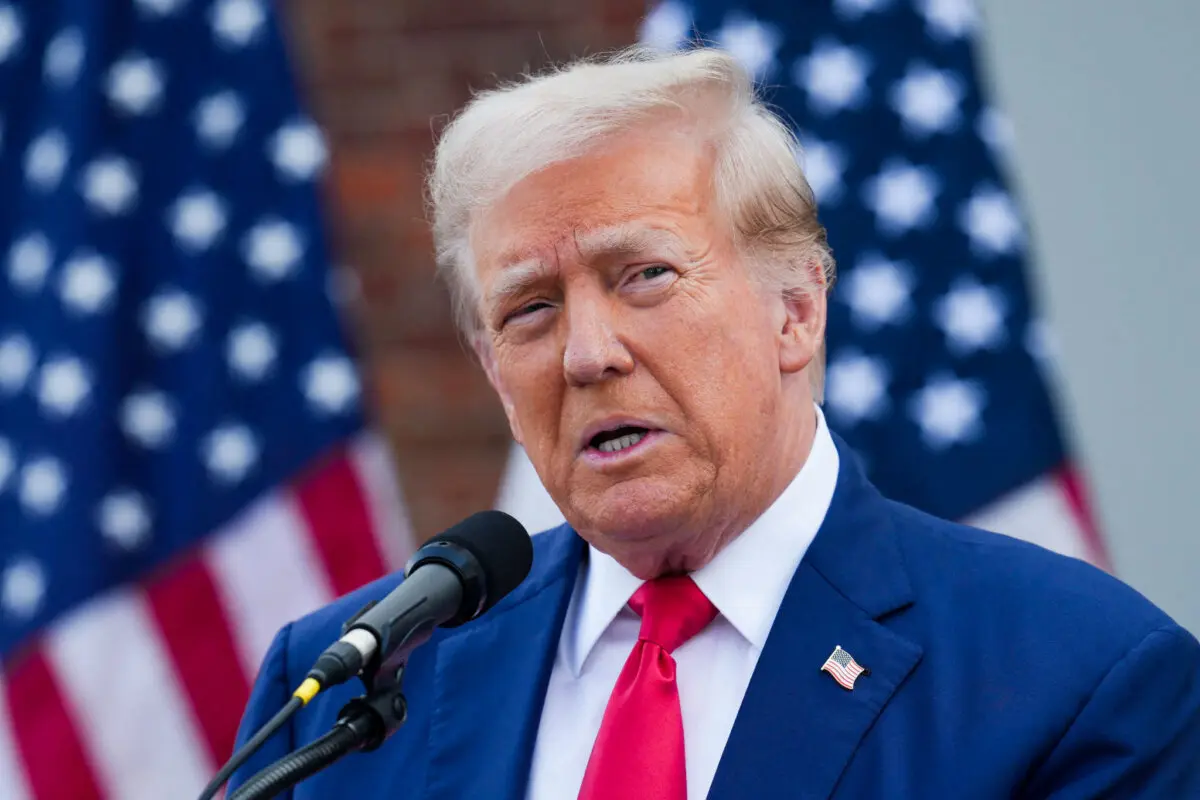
842	667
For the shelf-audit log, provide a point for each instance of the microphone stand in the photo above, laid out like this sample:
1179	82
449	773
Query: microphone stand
362	724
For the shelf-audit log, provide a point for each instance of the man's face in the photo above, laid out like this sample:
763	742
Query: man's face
639	363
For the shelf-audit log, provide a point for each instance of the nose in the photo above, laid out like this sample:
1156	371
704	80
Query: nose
594	351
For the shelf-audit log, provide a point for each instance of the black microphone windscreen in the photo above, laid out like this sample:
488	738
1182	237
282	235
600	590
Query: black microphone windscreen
500	544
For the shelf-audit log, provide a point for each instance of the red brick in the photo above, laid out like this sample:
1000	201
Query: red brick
425	15
623	15
423	395
444	483
417	313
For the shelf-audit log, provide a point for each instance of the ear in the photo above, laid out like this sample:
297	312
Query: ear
482	345
803	330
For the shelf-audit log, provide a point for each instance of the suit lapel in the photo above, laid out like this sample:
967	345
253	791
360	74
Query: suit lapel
491	681
797	729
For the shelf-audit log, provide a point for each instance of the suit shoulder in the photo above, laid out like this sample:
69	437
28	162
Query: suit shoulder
991	575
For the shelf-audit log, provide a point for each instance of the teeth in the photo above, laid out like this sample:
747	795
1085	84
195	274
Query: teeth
620	443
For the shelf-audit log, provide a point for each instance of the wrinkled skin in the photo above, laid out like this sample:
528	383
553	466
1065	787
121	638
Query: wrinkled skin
612	289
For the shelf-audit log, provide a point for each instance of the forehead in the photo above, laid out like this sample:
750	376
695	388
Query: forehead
629	195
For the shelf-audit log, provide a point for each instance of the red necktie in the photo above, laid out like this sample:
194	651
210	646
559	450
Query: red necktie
639	750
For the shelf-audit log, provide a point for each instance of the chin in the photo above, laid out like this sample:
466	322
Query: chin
635	510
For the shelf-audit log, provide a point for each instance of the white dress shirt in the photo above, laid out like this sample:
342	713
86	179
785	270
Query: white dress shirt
746	581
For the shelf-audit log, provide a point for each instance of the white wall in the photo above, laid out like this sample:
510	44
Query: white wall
1104	96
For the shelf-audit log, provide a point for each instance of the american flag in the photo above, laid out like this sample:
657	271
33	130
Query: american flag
184	465
842	666
937	356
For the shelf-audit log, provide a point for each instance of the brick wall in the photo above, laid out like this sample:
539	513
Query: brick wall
380	76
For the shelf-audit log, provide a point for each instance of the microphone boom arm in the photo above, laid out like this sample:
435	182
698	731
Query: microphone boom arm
362	725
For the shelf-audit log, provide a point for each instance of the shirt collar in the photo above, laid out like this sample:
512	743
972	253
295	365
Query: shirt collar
746	581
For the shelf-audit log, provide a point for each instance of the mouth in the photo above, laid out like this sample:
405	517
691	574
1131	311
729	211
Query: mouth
614	440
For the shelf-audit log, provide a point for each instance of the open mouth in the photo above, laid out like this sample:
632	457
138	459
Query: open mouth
618	439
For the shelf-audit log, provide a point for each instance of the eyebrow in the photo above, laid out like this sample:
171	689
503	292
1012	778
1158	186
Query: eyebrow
618	240
516	278
624	240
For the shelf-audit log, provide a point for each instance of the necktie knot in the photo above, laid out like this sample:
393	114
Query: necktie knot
673	610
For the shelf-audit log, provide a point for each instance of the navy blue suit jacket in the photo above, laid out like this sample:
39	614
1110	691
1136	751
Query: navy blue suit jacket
997	670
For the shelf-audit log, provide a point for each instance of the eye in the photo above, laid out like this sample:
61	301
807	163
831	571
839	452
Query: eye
653	271
527	309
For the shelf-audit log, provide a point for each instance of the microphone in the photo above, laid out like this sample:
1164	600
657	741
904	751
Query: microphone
451	579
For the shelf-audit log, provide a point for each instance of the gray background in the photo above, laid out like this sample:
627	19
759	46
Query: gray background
1104	97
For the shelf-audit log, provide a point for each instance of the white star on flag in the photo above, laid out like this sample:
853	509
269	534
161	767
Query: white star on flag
16	362
298	150
902	196
10	31
949	19
666	27
972	316
197	219
823	164
237	22
990	220
87	284
123	517
834	76
251	351
43	484
878	291
46	159
63	385
64	57
330	384
110	184
28	262
135	85
856	387
996	130
171	320
22	587
947	411
218	118
147	417
752	42
1041	342
273	249
229	453
927	100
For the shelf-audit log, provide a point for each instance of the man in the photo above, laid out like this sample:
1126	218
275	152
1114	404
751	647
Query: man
732	610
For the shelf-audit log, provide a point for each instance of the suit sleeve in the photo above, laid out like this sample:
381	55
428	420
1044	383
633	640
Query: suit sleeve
271	692
1139	733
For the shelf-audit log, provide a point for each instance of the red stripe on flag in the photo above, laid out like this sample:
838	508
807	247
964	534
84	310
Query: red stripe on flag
197	634
1075	490
47	739
335	507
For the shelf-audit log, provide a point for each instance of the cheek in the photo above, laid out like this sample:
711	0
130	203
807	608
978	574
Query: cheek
529	375
724	377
